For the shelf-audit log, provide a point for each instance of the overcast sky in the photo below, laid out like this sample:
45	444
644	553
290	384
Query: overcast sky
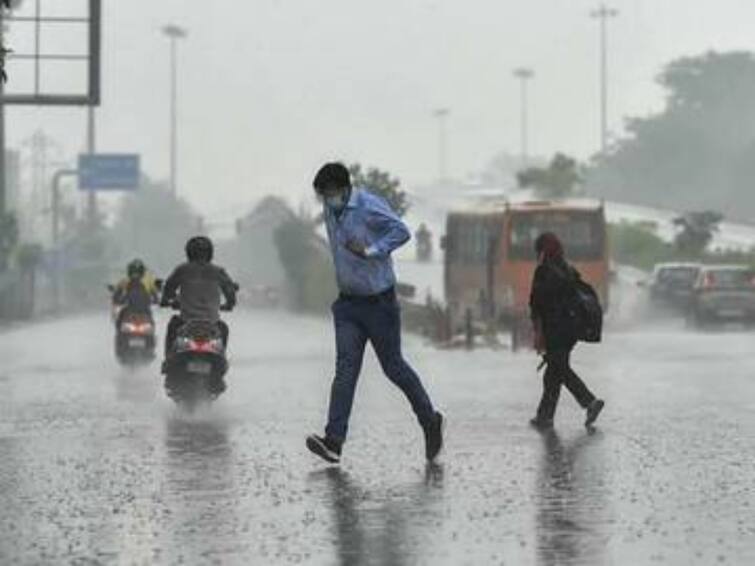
271	88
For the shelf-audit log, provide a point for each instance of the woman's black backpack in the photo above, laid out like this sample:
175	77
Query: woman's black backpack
583	307
581	314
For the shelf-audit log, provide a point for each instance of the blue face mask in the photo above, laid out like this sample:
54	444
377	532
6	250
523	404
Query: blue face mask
336	202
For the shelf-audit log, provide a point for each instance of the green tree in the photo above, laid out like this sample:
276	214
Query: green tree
558	180
154	225
85	249
8	237
307	263
697	153
638	245
381	183
696	230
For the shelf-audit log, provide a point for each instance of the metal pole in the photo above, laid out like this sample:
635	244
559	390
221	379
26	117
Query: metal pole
91	149
603	87
524	123
174	33
173	115
3	175
603	14
2	126
56	179
441	114
524	75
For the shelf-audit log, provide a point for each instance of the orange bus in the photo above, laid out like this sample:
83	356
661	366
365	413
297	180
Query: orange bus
490	258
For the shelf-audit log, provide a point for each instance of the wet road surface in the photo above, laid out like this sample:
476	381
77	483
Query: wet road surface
97	467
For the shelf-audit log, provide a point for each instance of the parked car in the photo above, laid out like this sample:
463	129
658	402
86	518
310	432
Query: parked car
723	293
671	284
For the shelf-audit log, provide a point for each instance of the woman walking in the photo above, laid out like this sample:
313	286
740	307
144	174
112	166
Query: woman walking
552	284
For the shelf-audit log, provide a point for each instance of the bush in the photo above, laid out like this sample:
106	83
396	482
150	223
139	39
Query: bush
308	267
637	245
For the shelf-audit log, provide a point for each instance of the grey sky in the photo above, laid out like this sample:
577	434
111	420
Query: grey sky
270	88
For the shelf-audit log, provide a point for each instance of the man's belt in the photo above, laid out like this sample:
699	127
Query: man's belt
388	294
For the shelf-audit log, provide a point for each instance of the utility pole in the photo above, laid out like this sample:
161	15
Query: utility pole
56	246
603	13
2	118
441	114
174	33
524	75
91	149
41	148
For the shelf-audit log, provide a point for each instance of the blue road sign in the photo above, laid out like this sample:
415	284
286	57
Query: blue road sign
108	171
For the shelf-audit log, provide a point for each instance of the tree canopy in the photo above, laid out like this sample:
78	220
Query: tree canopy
696	230
154	225
697	153
557	180
381	183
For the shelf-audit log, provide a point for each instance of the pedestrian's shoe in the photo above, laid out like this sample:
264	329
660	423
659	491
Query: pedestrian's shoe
541	423
593	410
329	449
434	436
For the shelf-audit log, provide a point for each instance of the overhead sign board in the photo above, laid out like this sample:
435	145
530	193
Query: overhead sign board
108	171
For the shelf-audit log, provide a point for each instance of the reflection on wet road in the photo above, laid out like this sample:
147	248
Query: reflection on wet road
570	521
97	466
382	531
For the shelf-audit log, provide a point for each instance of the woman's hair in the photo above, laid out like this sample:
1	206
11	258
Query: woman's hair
549	245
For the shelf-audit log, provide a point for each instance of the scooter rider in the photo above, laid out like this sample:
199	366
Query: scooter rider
200	284
136	293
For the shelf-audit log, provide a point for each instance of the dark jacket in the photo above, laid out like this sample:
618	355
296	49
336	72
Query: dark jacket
199	286
552	284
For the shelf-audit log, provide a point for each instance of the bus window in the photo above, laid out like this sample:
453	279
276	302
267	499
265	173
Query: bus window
469	238
582	233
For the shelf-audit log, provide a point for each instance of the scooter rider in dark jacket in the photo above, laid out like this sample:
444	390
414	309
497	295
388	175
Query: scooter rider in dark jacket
199	283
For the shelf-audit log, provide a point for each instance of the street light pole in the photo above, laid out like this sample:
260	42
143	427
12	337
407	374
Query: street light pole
603	13
91	145
524	74
174	33
441	114
3	195
56	251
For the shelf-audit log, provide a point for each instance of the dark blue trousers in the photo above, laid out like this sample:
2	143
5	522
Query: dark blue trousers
377	319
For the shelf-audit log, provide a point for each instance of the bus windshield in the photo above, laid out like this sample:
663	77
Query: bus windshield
582	233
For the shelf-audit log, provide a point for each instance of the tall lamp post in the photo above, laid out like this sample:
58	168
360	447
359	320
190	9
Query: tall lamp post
524	75
603	14
174	33
441	114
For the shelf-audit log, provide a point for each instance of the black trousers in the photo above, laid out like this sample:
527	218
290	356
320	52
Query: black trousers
177	322
558	372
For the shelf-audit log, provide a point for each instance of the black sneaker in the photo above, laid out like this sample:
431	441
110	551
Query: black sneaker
541	424
329	449
593	411
434	436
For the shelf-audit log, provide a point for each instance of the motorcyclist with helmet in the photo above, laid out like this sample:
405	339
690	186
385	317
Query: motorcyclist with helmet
132	297
199	284
136	293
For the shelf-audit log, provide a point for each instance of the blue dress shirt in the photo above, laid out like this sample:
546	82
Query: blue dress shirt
367	220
